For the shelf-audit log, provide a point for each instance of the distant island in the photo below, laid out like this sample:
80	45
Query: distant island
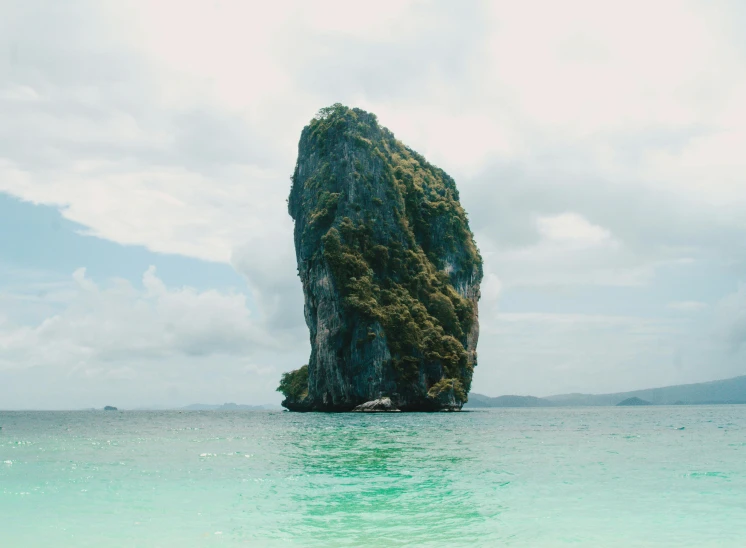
110	408
727	391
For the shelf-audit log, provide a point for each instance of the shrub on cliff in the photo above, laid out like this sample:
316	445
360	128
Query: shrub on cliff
294	385
448	390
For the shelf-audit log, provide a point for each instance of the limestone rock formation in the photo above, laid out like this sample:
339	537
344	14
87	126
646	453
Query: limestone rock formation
389	268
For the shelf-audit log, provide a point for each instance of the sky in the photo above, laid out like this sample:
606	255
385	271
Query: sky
146	252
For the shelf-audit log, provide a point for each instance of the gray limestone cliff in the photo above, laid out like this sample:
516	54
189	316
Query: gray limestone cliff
389	268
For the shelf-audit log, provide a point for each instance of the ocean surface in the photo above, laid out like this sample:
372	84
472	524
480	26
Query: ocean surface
546	477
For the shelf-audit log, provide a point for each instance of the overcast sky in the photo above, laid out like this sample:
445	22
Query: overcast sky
145	152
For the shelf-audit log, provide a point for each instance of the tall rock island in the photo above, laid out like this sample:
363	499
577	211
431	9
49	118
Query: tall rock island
390	273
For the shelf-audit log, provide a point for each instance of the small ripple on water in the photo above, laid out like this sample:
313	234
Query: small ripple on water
707	475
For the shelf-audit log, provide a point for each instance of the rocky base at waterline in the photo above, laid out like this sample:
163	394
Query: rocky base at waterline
390	272
381	405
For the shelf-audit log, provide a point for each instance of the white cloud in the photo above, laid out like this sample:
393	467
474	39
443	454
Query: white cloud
18	93
269	269
570	251
571	228
122	323
491	288
687	306
576	67
545	353
731	319
168	210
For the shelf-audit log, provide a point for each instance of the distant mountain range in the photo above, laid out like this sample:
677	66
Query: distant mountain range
229	407
211	407
716	392
478	400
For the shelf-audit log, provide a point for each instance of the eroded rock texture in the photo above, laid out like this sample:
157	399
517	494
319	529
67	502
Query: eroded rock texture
389	268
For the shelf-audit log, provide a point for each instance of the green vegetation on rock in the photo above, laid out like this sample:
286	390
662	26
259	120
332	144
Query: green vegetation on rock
389	227
294	385
450	388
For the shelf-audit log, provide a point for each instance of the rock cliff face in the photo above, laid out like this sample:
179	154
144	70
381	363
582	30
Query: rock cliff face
389	268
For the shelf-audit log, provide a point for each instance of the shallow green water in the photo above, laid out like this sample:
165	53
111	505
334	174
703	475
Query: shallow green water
595	477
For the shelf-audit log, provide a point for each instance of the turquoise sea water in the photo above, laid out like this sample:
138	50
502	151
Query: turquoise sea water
580	477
